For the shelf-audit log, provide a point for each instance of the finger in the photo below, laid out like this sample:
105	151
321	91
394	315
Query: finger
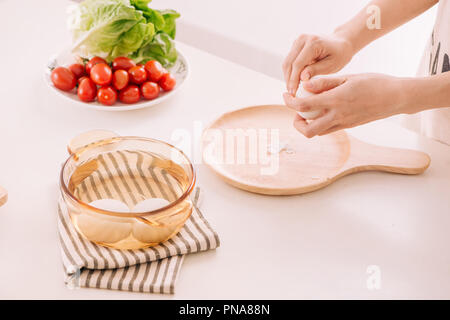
297	47
300	124
320	85
311	103
332	129
315	127
323	66
306	56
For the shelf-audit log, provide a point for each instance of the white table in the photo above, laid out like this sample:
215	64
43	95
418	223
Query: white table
317	245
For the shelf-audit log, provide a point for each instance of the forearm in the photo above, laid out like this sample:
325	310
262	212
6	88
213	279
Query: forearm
419	94
363	29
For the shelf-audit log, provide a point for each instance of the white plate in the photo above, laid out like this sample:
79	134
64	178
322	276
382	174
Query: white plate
180	70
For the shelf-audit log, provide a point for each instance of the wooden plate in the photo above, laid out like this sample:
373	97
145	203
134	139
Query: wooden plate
3	196
242	148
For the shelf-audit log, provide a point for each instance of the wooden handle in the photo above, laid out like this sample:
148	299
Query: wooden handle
368	157
3	196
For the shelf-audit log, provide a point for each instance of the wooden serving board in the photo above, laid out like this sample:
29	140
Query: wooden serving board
3	196
241	147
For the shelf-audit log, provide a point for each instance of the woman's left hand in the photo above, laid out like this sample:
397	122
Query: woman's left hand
347	101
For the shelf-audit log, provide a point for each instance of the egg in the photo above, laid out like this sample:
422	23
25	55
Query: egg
150	205
111	229
110	205
101	229
310	115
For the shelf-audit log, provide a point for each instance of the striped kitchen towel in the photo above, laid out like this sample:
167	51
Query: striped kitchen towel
153	269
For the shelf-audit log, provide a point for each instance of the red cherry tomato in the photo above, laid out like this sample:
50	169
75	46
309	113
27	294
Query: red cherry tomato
78	70
93	62
81	79
123	63
138	74
120	79
130	94
150	90
87	90
167	82
101	74
107	96
154	70
63	79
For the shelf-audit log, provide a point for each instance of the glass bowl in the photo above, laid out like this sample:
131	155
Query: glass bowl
128	192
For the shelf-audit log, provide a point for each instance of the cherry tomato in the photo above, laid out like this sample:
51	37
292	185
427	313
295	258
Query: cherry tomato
78	70
63	79
120	79
101	74
130	94
107	96
93	62
87	90
150	90
154	70
81	79
167	82
123	63
137	74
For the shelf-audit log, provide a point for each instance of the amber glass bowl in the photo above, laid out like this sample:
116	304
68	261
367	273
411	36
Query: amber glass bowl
127	192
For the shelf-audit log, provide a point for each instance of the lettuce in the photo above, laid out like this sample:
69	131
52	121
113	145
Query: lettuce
169	22
113	28
162	48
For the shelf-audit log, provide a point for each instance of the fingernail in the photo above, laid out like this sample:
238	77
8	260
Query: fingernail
305	76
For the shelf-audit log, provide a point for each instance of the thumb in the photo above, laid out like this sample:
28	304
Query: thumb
320	85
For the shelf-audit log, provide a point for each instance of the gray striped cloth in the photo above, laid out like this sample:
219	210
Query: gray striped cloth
153	269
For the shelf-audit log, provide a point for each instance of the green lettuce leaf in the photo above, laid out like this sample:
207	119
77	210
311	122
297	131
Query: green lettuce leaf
164	21
113	28
104	27
169	22
133	39
161	48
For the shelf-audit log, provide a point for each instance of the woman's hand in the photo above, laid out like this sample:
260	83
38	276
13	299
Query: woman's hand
313	55
349	101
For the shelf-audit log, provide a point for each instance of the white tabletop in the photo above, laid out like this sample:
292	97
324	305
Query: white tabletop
317	245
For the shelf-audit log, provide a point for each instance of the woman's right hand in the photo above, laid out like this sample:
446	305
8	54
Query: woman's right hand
312	55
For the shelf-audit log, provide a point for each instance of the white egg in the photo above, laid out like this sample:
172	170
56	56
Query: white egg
302	92
99	229
150	205
110	205
147	233
104	228
151	234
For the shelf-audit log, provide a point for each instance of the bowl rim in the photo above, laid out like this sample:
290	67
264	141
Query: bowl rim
65	190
